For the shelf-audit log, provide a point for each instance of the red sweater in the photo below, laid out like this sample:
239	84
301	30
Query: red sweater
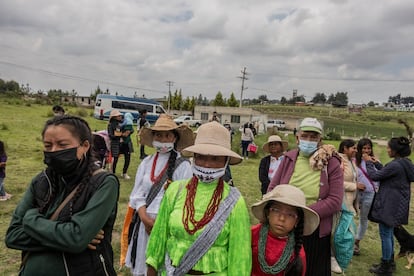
274	249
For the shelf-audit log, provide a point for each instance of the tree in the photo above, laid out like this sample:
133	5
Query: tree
263	98
371	104
96	93
341	99
283	100
218	100
331	98
232	101
319	98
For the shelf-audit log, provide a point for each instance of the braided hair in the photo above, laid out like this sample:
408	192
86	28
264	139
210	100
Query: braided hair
172	158
80	129
295	267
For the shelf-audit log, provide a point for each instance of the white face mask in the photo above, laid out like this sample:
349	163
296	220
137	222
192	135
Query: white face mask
162	147
208	175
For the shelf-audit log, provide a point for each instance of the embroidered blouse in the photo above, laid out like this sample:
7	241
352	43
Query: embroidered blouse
230	253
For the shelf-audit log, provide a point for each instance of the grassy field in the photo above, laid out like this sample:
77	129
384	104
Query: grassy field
21	125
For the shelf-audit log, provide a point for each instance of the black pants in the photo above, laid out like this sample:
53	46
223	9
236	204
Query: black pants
142	151
124	149
318	254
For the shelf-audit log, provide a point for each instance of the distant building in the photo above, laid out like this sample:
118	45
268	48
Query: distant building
84	101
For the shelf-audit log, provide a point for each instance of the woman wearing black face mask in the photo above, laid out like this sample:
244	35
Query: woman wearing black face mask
64	221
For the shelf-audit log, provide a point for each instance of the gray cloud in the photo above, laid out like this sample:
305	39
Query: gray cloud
313	46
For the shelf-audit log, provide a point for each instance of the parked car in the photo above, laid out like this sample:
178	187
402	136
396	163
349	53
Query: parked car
186	119
280	124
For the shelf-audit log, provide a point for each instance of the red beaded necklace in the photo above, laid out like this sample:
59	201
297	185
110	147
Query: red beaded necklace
154	163
188	209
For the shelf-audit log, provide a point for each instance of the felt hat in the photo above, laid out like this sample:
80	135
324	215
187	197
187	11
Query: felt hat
114	113
165	123
290	195
213	139
275	138
311	124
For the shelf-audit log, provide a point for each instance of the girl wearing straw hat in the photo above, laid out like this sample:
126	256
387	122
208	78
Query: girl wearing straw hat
203	223
277	241
154	172
269	164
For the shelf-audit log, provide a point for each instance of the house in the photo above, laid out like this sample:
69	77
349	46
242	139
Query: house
84	101
235	116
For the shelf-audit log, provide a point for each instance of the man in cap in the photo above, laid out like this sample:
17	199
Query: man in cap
316	170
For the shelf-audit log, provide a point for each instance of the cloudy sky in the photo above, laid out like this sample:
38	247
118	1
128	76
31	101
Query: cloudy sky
365	48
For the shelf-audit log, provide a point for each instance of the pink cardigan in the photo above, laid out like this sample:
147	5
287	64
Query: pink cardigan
331	190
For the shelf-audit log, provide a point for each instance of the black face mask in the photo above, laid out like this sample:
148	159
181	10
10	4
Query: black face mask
63	162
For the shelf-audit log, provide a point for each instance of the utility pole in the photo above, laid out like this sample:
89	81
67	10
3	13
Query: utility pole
169	83
243	78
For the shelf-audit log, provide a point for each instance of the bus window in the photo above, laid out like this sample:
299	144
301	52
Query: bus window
98	102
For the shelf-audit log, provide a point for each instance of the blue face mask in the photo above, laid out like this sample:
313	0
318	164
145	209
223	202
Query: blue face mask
307	147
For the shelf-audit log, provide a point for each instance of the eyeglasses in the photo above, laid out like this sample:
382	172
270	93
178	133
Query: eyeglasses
278	212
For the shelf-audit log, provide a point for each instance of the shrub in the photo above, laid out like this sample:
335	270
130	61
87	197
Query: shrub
332	136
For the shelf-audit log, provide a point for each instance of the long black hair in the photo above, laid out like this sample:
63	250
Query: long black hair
294	267
2	149
80	129
361	143
400	146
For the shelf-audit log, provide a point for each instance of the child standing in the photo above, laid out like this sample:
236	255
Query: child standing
3	159
277	241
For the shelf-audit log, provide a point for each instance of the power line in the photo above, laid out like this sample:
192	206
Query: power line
73	77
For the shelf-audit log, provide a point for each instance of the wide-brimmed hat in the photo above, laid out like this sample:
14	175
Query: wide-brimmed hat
114	113
166	123
275	138
213	139
311	124
292	196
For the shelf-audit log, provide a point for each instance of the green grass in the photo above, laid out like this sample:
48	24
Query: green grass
20	128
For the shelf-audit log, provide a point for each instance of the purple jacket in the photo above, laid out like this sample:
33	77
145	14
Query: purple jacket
331	190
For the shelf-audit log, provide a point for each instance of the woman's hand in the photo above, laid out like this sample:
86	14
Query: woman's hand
97	240
146	220
360	186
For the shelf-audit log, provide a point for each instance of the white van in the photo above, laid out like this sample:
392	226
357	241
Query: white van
105	103
276	123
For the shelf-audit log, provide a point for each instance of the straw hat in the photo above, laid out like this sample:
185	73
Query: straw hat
275	138
213	139
166	123
114	113
292	196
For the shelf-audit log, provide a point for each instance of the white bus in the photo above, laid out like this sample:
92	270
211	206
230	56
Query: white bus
105	103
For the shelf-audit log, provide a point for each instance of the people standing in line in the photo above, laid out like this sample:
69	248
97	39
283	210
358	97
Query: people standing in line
277	240
247	137
203	223
269	164
141	124
63	224
115	134
366	188
3	160
391	204
126	147
152	178
316	170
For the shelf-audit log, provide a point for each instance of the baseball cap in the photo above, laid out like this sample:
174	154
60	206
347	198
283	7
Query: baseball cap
311	124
